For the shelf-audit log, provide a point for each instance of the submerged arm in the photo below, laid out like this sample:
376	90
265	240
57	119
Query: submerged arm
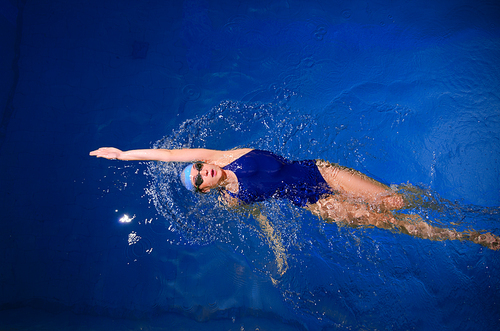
274	238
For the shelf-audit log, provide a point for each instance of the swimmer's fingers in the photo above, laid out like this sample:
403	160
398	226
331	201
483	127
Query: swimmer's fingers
109	153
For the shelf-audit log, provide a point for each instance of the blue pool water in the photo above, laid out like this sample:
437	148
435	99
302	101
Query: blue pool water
406	92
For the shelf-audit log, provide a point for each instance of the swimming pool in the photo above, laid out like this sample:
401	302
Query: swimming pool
405	92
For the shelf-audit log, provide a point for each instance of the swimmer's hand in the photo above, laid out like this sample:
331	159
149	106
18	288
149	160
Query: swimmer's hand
109	153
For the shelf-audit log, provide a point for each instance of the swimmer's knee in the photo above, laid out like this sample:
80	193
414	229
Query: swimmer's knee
394	202
328	170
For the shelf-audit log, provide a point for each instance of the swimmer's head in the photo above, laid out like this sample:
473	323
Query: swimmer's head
186	177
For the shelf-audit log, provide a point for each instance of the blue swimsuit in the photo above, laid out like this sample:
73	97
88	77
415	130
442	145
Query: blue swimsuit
263	175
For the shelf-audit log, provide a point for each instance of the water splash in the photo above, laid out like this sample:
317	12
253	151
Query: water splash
203	219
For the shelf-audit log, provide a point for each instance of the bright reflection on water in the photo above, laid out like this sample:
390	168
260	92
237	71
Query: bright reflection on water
126	219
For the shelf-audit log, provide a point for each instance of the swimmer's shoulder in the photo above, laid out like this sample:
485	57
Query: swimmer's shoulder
226	157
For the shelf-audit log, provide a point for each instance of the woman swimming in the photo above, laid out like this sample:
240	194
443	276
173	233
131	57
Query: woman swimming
335	193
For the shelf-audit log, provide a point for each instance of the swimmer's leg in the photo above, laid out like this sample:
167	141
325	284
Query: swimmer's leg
414	225
339	209
356	185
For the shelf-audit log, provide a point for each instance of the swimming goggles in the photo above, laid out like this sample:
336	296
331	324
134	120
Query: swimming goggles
198	180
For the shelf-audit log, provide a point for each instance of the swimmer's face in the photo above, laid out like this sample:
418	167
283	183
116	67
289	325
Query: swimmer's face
206	176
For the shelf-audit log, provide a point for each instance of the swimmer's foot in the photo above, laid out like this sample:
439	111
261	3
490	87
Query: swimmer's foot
487	239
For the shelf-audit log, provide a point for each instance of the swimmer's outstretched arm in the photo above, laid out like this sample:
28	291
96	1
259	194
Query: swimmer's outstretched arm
170	155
